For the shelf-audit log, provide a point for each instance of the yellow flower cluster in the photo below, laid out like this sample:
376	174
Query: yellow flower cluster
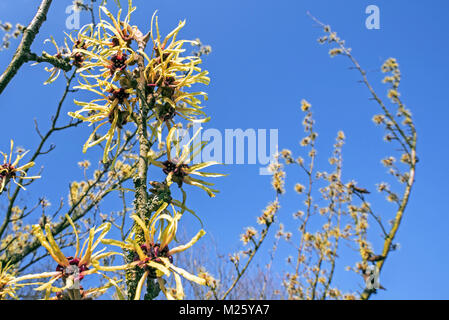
106	58
7	287
148	89
154	256
10	170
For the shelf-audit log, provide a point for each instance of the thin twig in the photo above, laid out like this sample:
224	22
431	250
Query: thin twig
23	53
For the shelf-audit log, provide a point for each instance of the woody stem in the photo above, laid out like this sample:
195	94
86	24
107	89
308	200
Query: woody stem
140	181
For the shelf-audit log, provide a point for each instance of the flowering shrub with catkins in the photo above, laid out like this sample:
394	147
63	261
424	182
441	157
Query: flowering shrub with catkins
335	213
139	90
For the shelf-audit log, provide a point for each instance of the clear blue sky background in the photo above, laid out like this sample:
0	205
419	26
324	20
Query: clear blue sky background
265	60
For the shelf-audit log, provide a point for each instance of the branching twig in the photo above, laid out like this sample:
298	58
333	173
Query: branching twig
23	53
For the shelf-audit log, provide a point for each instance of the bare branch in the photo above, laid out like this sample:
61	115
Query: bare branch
23	53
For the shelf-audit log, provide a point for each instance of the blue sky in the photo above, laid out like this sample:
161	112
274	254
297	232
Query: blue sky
266	59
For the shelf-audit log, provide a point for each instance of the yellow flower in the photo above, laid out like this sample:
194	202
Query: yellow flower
336	51
393	94
379	119
7	288
122	31
82	260
249	234
177	167
54	71
299	188
390	65
110	46
115	110
84	164
9	170
167	73
154	255
67	54
305	106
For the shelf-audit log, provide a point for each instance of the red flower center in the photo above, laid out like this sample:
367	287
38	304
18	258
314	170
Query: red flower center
155	253
166	112
179	170
7	171
118	62
78	59
120	94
